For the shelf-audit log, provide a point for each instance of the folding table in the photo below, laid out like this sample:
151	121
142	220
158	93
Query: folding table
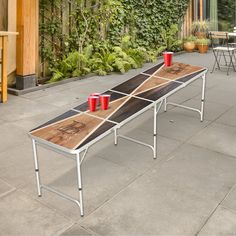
73	132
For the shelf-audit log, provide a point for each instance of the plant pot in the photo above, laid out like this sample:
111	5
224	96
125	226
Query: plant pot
202	48
200	35
189	46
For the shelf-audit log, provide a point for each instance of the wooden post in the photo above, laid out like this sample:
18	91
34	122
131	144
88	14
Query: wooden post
26	50
4	41
4	69
201	10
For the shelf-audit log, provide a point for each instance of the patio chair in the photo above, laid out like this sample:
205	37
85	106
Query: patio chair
221	47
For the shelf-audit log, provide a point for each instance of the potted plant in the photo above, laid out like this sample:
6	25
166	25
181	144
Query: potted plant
189	43
200	28
202	44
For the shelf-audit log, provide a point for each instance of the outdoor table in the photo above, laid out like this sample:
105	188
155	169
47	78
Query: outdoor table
73	132
233	34
3	47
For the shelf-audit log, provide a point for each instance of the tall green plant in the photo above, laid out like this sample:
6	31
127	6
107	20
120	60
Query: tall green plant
170	39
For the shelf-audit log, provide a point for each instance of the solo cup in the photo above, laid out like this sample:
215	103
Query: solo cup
168	58
96	95
92	102
104	100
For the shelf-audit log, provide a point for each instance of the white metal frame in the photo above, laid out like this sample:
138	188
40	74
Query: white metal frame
77	154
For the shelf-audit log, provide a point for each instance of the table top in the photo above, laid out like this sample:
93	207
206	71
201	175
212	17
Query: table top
78	126
7	33
232	34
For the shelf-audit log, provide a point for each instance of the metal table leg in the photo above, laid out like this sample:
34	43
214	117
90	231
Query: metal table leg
78	165
203	96
36	166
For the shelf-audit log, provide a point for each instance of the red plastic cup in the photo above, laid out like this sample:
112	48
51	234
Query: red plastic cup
104	100
96	95
168	58
92	102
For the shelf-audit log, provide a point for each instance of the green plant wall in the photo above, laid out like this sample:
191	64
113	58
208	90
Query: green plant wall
68	26
144	19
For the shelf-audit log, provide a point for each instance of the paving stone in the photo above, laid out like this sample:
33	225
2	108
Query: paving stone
228	118
175	199
76	230
23	108
150	207
221	223
202	172
11	136
137	156
211	110
5	188
101	180
62	98
229	202
217	137
176	126
17	165
20	215
221	96
30	123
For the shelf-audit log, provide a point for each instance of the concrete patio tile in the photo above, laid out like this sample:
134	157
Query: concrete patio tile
221	223
5	188
228	83
134	155
177	98
55	89
228	118
34	121
176	126
62	98
175	198
195	58
22	109
217	137
229	202
201	172
221	96
76	230
13	136
17	165
101	180
150	206
211	110
20	215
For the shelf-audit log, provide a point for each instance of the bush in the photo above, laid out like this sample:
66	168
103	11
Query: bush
102	59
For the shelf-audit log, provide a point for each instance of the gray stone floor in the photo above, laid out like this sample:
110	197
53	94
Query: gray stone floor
189	190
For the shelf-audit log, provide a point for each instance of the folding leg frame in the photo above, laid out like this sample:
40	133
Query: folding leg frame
59	193
79	158
157	107
218	54
201	110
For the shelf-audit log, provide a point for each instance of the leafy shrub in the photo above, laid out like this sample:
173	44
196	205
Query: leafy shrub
169	39
102	58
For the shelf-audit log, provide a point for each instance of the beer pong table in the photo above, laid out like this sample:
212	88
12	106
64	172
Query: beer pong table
73	132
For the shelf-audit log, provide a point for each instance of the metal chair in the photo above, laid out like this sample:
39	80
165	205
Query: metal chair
221	47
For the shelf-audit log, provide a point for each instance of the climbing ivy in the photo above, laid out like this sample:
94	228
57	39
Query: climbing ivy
70	26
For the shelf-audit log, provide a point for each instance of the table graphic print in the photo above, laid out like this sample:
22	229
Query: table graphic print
76	130
149	87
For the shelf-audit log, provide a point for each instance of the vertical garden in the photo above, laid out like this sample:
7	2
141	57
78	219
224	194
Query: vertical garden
78	37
